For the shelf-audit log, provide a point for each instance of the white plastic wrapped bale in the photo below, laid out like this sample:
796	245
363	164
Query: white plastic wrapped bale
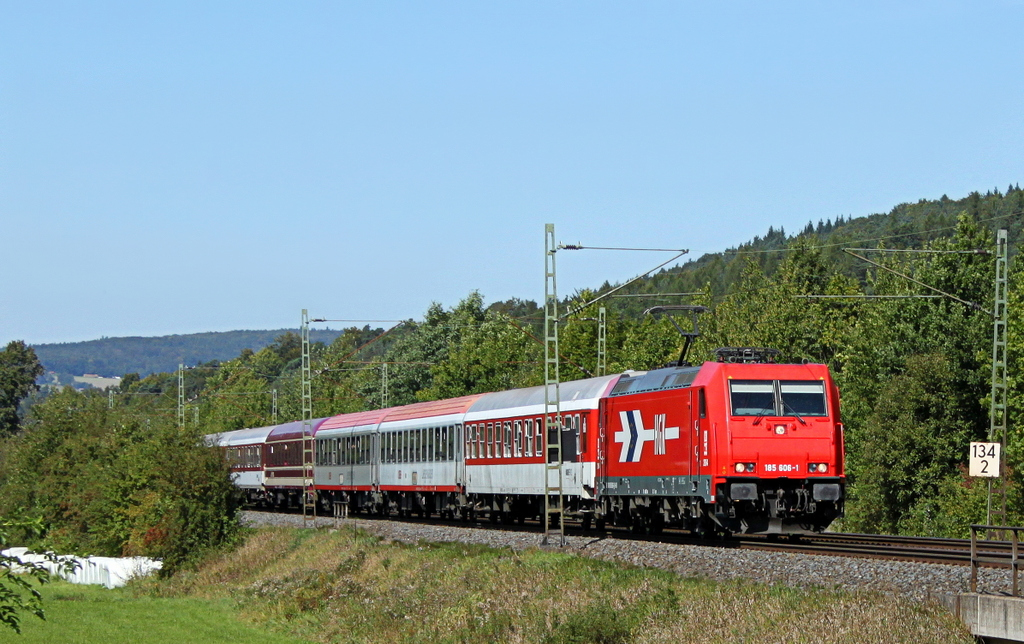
111	572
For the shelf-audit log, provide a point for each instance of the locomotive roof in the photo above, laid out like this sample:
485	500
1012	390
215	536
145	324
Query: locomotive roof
578	391
656	380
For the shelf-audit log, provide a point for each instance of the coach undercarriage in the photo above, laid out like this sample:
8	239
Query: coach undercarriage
741	506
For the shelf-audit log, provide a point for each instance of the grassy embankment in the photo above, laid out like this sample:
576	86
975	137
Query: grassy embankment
351	587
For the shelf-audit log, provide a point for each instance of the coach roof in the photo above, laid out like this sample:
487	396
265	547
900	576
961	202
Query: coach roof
576	391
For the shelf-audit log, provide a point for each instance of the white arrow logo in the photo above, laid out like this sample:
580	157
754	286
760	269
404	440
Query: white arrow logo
632	436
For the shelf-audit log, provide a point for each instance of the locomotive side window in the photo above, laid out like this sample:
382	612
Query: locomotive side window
702	404
806	398
753	397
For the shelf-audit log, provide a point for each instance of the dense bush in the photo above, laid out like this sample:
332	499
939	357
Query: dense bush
110	482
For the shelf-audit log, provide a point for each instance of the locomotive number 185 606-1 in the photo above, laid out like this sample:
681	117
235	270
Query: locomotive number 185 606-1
781	467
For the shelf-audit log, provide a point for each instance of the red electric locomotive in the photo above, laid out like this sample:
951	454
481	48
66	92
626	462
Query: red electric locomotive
728	446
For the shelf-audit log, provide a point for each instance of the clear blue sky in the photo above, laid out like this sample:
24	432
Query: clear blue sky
181	167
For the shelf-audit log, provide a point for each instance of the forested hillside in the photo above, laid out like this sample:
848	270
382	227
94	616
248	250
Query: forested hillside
908	225
118	356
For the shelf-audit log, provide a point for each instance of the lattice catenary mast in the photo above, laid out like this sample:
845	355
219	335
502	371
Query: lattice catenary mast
554	515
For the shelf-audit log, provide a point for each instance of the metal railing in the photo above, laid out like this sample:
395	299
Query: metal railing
1002	559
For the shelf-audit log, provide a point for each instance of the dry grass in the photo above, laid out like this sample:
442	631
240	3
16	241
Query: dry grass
350	587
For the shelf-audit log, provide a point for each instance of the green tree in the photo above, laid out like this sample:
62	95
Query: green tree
19	368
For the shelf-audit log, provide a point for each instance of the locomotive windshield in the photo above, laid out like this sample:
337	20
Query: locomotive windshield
753	397
778	398
806	398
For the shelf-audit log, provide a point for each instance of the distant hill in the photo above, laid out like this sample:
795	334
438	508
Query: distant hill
118	356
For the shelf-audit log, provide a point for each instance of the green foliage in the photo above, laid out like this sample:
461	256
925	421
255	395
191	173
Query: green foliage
110	482
19	369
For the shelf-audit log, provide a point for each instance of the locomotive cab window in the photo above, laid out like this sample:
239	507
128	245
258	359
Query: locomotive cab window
803	397
778	398
753	397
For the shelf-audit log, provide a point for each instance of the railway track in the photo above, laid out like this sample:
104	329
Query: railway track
933	550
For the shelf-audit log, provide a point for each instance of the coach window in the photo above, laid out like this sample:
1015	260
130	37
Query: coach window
518	438
508	439
481	440
528	423
538	426
470	441
488	429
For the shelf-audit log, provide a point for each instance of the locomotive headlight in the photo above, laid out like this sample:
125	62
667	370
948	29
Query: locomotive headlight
822	467
740	467
750	467
745	467
780	429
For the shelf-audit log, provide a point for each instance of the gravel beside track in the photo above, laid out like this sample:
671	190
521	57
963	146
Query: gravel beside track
915	580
